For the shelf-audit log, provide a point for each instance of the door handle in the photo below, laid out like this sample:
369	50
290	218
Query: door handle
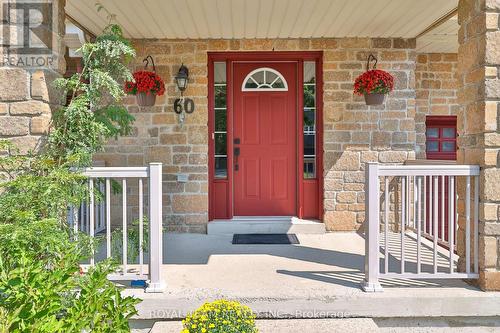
236	154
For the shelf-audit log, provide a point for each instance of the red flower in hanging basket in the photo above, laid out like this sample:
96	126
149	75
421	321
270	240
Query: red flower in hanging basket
145	82
374	81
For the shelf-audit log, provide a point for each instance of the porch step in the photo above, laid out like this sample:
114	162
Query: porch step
265	225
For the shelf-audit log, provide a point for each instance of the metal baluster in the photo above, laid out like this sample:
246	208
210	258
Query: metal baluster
419	223
467	225
435	224
415	200
403	221
108	218
87	219
91	217
451	221
141	227
425	215
81	218
74	214
476	224
431	211
386	226
442	208
124	225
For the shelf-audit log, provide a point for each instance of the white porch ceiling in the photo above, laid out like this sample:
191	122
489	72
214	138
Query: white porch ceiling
264	18
444	38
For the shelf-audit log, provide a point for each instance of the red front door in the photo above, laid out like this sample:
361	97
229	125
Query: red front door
265	133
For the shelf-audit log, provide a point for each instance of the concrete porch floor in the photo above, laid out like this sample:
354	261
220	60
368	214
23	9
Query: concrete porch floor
318	278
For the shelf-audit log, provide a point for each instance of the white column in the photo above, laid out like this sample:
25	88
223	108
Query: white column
371	282
156	283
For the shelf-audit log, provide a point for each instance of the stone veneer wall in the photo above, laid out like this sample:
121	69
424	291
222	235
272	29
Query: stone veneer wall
27	98
436	84
478	126
353	132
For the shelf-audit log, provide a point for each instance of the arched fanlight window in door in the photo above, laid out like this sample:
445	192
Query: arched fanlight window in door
264	78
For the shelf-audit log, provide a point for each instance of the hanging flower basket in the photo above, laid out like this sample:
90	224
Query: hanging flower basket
145	86
145	99
374	99
374	84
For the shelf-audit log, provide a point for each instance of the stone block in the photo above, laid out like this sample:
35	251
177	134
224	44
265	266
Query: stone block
489	211
27	144
402	43
346	197
14	126
492	55
344	161
489	280
324	43
159	154
173	138
40	125
491	228
163	118
490	72
192	203
33	108
369	156
381	139
381	43
13	84
490	249
392	156
198	159
340	220
490	181
492	88
197	135
42	87
340	55
135	160
393	56
389	125
333	184
180	159
355	43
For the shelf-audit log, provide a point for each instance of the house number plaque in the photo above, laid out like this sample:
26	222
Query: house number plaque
183	104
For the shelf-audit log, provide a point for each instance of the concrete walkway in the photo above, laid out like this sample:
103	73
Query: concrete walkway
358	325
317	279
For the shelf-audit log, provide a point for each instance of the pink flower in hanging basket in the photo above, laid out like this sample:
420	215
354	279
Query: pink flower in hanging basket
374	81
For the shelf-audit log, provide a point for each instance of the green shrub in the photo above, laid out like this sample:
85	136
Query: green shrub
42	290
133	243
220	317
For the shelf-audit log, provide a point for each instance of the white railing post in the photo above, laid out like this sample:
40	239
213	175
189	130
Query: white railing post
156	283
372	266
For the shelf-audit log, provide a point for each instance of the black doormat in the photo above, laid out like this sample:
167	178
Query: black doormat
265	239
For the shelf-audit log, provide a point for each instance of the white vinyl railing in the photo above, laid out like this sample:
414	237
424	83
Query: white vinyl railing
412	222
95	219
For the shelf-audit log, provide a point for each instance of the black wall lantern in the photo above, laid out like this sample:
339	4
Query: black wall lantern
183	105
182	78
